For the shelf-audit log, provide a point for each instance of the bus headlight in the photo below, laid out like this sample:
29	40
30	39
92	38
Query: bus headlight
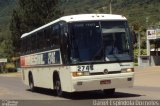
79	73
76	74
130	70
127	70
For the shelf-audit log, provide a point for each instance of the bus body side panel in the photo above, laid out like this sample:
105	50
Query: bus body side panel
43	76
42	66
65	78
35	74
25	76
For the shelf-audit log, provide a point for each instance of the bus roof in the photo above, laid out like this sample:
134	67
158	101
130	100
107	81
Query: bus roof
78	18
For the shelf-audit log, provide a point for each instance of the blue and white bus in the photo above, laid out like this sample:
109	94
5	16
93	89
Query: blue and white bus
76	53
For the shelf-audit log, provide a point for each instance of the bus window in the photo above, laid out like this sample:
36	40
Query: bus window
24	46
40	38
86	41
47	33
36	42
64	41
91	41
33	42
28	41
54	36
116	40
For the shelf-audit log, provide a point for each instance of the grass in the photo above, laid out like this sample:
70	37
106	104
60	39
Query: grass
11	74
135	64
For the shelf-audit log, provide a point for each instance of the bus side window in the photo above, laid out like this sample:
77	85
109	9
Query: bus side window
54	36
30	44
51	37
64	41
40	38
36	42
33	43
25	46
44	47
47	33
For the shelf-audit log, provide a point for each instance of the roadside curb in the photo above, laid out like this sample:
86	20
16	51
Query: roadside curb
17	74
148	68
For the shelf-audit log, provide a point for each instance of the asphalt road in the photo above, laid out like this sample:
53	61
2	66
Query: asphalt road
146	87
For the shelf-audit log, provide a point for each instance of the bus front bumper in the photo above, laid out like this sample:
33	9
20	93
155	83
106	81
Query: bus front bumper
100	82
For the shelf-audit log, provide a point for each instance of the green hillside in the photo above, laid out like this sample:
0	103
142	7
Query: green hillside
6	8
135	10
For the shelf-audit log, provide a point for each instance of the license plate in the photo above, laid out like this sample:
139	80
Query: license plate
105	82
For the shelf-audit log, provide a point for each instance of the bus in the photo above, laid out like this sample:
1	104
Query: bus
76	53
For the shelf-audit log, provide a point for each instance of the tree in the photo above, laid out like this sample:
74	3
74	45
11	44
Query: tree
15	27
31	14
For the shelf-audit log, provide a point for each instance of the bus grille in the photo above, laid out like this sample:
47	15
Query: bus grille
101	73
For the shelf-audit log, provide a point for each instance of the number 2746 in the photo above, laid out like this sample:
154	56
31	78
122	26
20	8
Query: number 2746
85	68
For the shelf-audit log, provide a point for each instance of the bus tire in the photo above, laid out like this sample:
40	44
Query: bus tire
109	92
31	83
57	87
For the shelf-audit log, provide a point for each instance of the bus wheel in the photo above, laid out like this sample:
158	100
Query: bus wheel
109	92
31	83
57	87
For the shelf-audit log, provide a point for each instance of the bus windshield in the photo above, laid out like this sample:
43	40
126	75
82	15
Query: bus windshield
99	41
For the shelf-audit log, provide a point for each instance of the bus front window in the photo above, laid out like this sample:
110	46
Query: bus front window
99	41
86	40
116	41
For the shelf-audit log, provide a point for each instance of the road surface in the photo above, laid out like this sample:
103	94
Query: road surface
146	87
